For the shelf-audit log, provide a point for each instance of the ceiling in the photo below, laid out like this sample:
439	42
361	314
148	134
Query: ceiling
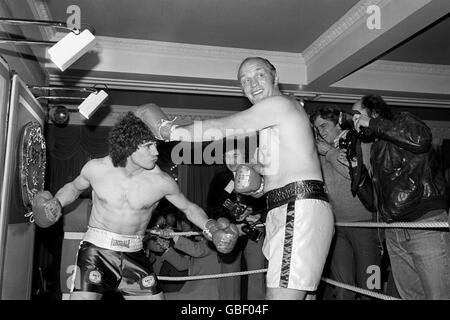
323	49
278	25
430	45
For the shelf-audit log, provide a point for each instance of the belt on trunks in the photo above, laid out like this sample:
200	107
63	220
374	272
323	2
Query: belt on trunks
113	241
303	189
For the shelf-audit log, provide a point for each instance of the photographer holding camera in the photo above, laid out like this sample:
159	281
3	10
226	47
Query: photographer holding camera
353	249
247	212
409	186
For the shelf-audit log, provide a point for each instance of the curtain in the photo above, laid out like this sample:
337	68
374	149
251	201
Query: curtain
194	181
68	150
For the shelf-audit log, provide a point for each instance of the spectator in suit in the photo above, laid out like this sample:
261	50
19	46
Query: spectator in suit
221	199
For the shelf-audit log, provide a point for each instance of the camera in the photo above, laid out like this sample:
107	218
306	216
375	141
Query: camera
344	143
251	232
349	144
237	210
346	119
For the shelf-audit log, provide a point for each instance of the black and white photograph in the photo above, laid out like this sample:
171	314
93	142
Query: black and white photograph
225	154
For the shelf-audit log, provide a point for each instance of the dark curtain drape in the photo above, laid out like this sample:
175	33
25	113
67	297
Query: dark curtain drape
68	150
194	181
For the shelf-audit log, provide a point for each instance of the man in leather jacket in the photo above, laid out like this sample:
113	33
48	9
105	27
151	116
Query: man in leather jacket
409	186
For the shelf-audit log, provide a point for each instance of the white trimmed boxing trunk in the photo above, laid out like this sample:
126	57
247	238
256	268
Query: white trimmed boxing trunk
113	241
298	238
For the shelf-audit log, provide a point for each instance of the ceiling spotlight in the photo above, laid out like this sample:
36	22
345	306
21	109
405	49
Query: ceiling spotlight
64	52
59	115
70	48
92	103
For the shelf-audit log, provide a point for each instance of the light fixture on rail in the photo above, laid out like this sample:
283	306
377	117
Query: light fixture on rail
90	104
63	52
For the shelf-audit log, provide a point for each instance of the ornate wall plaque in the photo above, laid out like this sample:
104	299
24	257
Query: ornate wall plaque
32	161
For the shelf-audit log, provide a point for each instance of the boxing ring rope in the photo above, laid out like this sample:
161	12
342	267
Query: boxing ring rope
419	225
234	274
415	225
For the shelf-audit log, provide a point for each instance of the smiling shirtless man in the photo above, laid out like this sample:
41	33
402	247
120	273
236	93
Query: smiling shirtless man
299	225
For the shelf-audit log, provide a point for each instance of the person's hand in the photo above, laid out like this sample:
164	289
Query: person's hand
247	179
253	218
158	122
360	120
163	243
154	246
46	209
166	233
323	147
222	233
239	227
342	135
242	216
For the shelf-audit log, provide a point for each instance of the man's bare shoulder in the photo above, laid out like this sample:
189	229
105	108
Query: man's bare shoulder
283	103
98	164
158	175
163	179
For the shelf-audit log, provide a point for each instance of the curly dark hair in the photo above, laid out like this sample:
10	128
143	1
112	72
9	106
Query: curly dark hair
375	103
125	137
327	113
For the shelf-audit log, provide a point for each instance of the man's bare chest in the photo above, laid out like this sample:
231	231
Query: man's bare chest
133	192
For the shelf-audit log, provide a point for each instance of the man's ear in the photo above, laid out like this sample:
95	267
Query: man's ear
275	80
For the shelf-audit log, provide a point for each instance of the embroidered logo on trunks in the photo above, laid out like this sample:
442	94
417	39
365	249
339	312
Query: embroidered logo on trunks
95	276
148	281
120	243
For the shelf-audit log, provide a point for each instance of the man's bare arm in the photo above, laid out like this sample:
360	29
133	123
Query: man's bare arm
72	190
193	212
267	113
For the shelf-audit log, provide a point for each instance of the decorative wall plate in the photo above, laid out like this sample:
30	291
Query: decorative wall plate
32	161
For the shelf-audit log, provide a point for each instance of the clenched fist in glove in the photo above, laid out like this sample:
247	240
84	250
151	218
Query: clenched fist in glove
222	233
156	120
247	180
46	209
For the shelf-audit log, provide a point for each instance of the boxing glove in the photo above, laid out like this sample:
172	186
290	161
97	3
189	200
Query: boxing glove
46	209
247	180
222	233
156	120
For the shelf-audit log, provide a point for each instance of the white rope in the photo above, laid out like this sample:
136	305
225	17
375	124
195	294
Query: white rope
359	290
212	276
173	233
418	225
234	274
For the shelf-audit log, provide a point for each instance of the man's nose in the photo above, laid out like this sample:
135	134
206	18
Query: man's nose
253	82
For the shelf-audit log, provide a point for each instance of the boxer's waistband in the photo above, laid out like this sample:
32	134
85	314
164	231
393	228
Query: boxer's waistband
303	189
113	241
